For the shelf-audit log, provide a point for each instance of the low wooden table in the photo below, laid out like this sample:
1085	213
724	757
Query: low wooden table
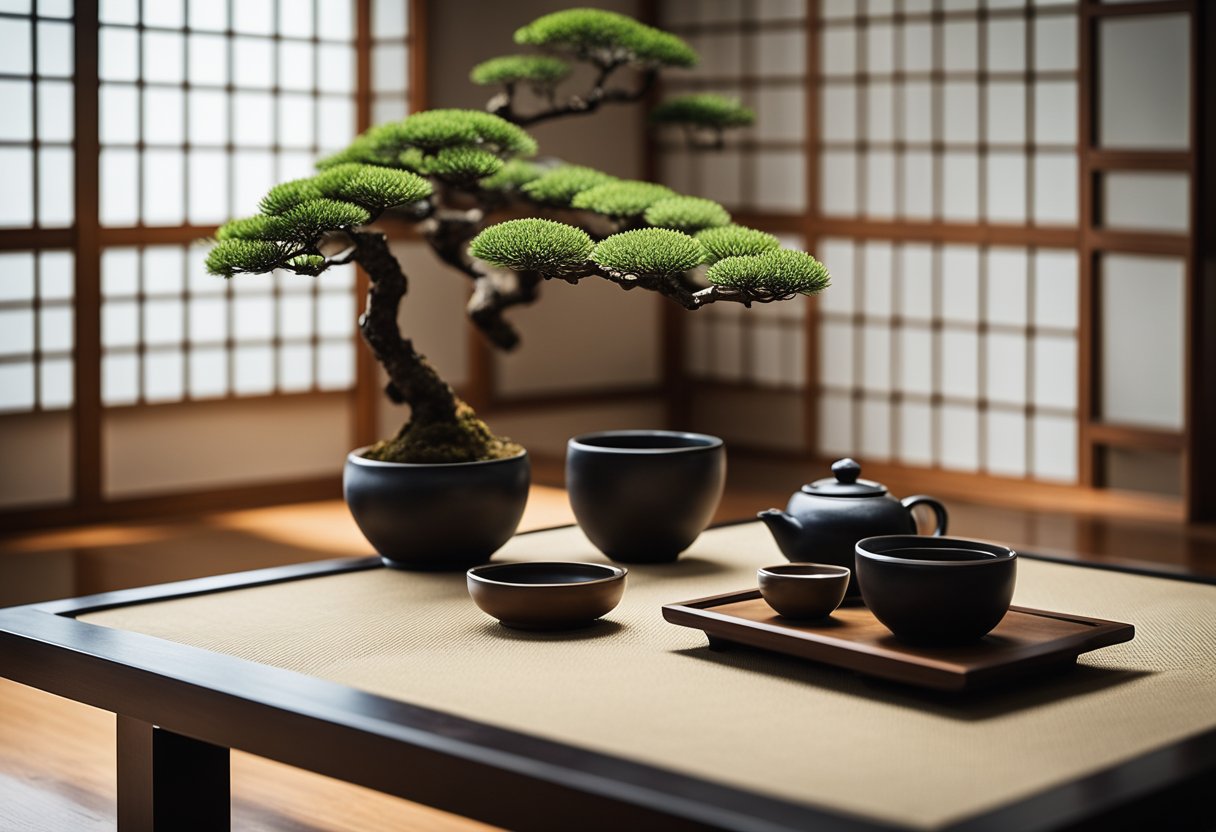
396	681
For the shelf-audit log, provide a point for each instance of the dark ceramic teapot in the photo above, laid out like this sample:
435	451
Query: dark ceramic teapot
825	519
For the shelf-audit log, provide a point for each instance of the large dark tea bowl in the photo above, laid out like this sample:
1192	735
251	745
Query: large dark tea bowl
546	596
936	590
643	496
436	517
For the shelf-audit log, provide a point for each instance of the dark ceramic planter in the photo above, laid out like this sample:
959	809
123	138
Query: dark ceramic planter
436	517
936	590
643	496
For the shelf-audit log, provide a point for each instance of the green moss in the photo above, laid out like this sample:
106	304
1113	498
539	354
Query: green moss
233	256
543	71
606	36
649	251
287	195
560	185
703	110
374	188
689	214
736	241
544	246
621	199
467	439
780	272
512	176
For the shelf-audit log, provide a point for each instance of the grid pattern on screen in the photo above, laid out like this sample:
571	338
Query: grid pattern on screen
36	72
952	111
170	331
764	346
390	60
36	330
957	356
754	52
206	105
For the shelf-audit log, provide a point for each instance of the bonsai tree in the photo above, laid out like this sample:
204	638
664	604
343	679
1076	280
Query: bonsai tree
454	172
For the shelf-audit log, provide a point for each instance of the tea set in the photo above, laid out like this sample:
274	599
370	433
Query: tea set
644	496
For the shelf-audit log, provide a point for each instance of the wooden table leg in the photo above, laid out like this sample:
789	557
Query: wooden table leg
167	782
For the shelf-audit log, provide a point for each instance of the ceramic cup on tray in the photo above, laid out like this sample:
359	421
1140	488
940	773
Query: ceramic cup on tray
938	590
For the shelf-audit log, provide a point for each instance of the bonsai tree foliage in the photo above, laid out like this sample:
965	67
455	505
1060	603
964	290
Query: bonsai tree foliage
454	172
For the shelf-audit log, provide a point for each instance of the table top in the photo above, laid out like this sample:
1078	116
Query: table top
637	688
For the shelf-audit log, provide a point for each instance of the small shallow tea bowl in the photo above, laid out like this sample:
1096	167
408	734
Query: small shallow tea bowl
936	590
804	590
546	596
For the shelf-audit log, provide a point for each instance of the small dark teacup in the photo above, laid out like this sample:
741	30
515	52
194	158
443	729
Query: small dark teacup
936	589
804	590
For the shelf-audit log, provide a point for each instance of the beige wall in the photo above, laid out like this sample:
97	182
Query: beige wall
159	450
35	459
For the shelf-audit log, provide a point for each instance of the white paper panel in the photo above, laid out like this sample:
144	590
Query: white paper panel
838	183
836	354
1055	42
915	433
959	437
960	283
1054	441
917	111
1006	295
1142	340
1005	443
1006	45
876	429
880	184
1143	201
1144	82
1055	288
1055	112
960	363
880	110
961	105
916	275
1006	112
915	360
960	198
1055	372
1005	368
839	257
876	358
838	112
917	195
1055	188
836	423
1006	188
878	258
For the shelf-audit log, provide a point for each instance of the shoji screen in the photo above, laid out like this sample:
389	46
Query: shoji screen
37	210
202	109
131	130
948	179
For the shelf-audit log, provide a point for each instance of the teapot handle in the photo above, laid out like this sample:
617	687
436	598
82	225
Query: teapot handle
939	510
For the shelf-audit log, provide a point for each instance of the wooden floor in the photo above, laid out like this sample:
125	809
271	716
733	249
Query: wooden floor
57	757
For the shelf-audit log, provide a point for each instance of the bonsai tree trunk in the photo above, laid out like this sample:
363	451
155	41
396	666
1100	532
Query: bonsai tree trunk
442	428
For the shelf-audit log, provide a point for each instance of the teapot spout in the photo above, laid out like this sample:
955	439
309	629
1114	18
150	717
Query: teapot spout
785	527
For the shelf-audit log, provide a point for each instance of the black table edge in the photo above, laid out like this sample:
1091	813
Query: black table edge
478	770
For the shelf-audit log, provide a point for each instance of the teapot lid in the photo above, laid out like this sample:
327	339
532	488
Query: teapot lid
845	483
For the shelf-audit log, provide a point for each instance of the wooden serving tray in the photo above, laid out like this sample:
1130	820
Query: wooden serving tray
1025	641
